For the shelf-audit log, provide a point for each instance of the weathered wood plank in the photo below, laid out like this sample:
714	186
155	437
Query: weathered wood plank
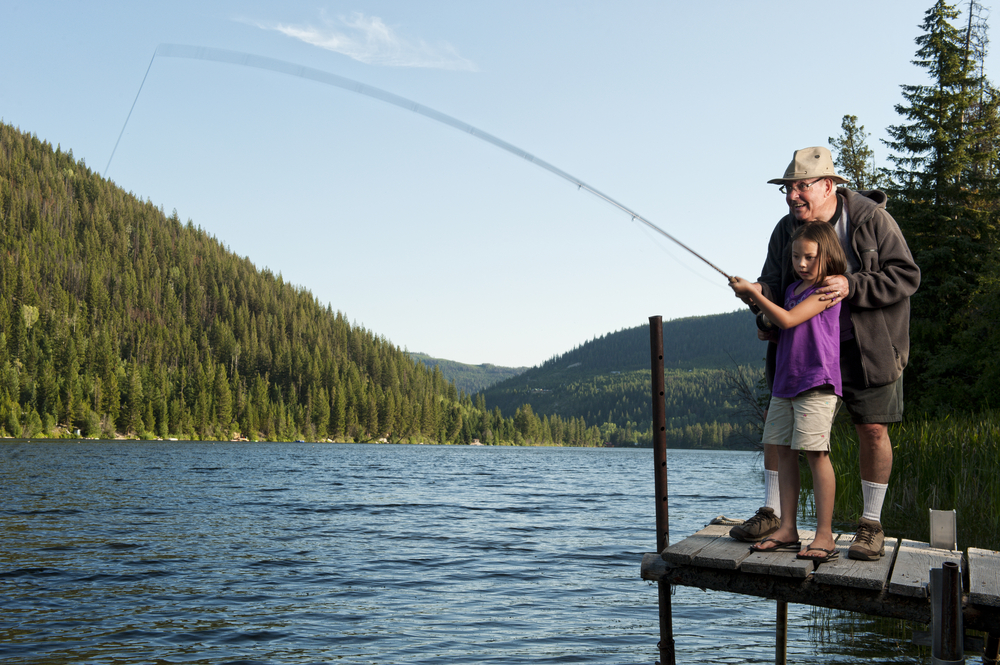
914	561
842	571
653	566
792	590
781	564
810	591
984	577
724	553
683	552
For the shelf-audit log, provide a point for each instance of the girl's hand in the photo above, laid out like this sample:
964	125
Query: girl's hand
743	288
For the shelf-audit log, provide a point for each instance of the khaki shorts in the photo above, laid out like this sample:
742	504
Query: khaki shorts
802	422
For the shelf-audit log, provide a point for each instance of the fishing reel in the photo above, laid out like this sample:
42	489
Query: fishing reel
764	324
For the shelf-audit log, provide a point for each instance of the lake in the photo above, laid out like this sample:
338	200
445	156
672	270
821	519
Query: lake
191	552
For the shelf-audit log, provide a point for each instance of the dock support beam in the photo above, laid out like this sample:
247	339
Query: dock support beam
991	654
781	634
667	656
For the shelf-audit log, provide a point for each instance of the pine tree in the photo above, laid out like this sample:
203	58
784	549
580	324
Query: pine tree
943	188
133	401
854	159
223	401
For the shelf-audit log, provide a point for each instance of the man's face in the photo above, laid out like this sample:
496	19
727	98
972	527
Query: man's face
811	200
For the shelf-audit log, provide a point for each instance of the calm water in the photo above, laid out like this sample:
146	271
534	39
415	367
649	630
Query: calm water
136	552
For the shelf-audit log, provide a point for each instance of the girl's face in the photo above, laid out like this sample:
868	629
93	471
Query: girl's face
805	260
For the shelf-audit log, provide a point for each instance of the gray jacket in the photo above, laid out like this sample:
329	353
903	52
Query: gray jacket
880	291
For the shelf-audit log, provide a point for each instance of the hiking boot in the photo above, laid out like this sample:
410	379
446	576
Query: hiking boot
758	527
869	542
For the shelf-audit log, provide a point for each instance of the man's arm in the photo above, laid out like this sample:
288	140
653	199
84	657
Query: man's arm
770	274
888	272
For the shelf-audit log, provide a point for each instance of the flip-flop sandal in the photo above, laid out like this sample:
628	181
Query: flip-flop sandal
779	546
830	555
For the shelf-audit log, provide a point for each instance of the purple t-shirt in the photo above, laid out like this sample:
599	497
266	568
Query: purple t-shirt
808	354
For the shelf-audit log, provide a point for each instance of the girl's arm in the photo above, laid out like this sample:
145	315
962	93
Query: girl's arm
778	315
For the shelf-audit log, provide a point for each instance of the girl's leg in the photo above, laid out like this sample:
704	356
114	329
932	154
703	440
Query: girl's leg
824	489
788	483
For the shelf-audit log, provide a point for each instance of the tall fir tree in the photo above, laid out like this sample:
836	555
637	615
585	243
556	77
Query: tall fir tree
854	159
942	188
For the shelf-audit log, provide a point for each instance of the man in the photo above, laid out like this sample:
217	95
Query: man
875	318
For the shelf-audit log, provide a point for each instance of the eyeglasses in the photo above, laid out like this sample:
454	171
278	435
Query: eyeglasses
799	187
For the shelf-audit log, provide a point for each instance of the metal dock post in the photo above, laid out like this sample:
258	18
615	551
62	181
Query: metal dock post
666	643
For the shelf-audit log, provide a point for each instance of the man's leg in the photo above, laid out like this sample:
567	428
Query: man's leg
768	517
788	474
883	404
771	493
875	450
876	467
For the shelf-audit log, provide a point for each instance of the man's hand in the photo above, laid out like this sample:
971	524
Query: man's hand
833	289
767	335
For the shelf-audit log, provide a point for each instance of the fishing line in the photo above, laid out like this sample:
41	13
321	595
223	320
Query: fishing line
129	114
663	248
282	67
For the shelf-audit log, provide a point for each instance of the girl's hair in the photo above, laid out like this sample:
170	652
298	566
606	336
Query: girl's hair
832	260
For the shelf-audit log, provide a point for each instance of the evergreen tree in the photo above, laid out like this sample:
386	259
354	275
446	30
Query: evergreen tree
134	401
117	317
223	400
854	159
943	188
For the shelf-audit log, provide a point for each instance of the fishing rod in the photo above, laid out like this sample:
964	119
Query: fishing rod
291	69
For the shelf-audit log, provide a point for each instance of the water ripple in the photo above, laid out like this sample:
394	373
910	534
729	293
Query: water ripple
139	552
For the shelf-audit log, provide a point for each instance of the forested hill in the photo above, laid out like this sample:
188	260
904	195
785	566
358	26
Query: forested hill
607	381
704	342
469	378
116	319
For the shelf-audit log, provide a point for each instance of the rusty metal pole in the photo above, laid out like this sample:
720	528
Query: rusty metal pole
666	645
781	634
952	634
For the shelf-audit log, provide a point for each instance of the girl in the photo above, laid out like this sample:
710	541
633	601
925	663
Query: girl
807	385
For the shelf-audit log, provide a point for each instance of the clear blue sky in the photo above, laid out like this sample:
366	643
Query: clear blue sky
436	240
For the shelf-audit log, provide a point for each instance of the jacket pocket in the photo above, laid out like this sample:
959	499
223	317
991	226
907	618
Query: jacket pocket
869	260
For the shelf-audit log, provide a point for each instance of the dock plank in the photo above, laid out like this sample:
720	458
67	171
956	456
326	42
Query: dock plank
711	560
984	577
722	553
872	575
911	574
780	564
683	552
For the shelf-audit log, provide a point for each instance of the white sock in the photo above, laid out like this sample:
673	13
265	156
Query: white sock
874	494
772	498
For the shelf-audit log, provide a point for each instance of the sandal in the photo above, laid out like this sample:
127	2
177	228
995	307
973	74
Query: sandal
829	555
779	545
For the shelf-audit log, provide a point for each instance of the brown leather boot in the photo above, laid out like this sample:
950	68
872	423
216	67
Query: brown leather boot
758	527
869	542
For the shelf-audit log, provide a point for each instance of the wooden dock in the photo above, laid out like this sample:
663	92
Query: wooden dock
895	586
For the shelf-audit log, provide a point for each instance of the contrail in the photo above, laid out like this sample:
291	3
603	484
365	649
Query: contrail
282	67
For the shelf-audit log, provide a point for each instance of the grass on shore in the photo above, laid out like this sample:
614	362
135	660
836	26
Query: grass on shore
941	464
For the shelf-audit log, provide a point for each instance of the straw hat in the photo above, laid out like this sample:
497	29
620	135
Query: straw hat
810	163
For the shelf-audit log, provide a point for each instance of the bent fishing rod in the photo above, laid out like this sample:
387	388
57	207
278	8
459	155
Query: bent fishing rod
291	69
